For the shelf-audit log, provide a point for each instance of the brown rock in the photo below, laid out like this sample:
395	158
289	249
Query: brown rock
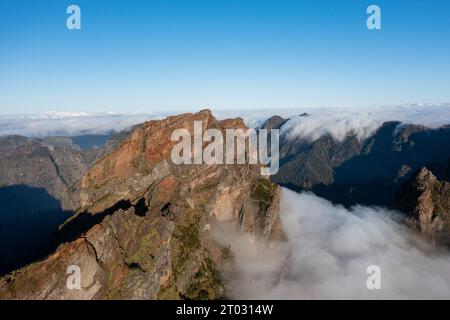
142	230
426	200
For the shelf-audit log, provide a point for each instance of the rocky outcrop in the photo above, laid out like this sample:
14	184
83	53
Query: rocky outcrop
426	200
143	225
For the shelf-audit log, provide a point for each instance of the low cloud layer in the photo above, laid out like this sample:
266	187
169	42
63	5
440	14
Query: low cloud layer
335	121
71	123
340	122
328	252
337	125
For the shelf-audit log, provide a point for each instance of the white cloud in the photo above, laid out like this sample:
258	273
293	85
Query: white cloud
340	122
328	251
338	125
335	121
72	123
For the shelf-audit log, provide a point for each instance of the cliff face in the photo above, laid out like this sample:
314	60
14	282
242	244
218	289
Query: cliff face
35	178
34	182
143	227
426	200
54	164
39	164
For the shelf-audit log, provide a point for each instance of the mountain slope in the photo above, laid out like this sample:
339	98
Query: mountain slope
31	162
365	172
35	178
143	227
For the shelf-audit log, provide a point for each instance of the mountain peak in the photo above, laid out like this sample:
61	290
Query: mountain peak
144	227
274	122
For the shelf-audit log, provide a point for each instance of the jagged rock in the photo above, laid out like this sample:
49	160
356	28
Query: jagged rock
426	200
143	227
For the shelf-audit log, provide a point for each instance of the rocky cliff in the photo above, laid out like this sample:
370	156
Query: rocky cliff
426	200
143	225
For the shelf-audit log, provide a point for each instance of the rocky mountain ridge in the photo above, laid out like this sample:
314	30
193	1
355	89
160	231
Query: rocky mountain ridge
143	225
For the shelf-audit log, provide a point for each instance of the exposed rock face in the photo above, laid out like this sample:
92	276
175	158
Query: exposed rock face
426	200
142	230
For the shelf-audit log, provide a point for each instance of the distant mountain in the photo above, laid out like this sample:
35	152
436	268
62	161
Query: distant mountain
367	171
36	176
53	164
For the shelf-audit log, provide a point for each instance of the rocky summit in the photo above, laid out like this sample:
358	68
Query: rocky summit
142	227
426	200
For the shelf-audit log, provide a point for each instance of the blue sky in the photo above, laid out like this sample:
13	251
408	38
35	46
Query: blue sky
187	54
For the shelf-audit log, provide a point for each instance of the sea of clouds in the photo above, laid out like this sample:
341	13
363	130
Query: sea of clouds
72	123
337	122
340	122
327	254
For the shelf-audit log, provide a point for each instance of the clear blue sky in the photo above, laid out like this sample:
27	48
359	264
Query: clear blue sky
186	54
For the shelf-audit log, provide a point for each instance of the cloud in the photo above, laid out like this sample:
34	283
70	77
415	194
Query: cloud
327	254
71	123
338	126
341	122
78	123
335	121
